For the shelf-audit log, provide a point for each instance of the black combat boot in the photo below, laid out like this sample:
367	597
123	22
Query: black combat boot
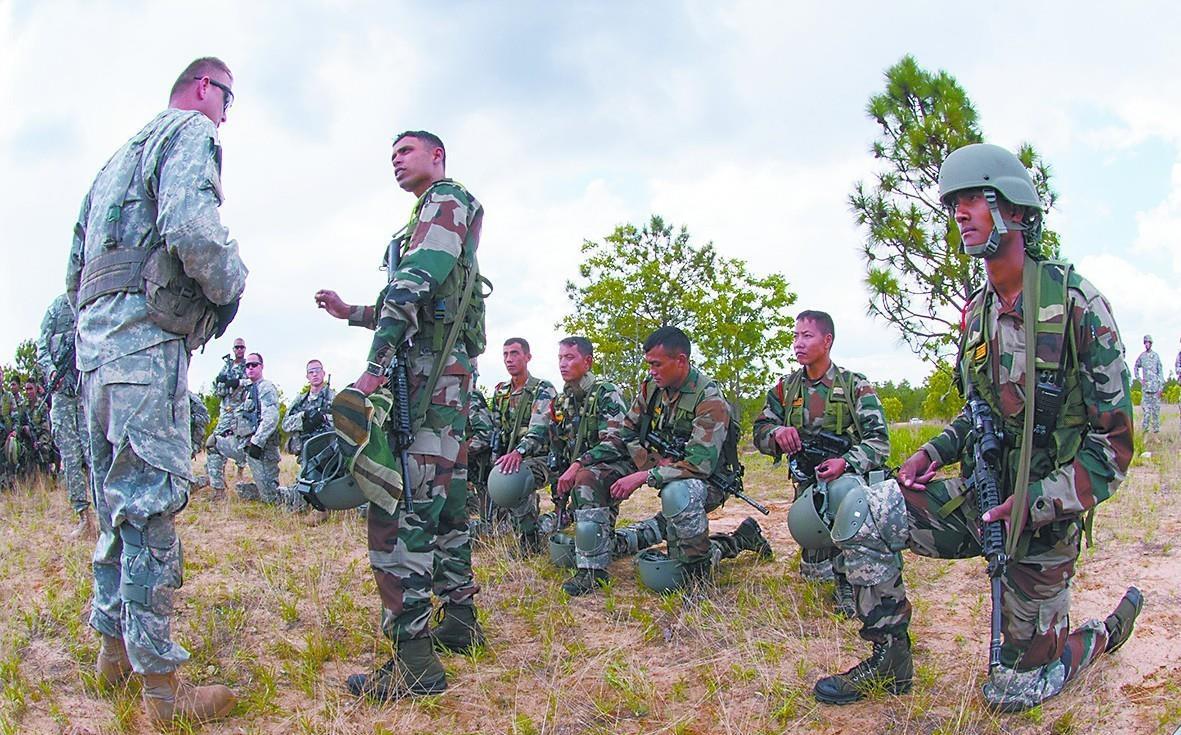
750	538
458	629
844	599
1119	623
889	667
414	671
585	581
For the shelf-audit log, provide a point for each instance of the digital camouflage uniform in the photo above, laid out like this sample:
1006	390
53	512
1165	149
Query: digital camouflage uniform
841	402
33	432
135	374
198	422
521	417
697	413
1093	444
1151	374
55	356
311	414
479	454
230	387
428	547
586	415
256	421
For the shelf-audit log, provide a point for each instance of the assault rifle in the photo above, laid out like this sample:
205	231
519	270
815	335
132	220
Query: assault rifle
985	482
561	502
818	446
729	481
403	436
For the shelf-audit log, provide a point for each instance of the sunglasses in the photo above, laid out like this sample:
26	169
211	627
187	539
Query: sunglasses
253	364
227	96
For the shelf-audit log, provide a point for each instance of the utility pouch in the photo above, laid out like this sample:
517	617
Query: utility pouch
1047	403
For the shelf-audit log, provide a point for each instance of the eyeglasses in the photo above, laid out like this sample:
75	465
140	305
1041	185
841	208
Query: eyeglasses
253	364
239	347
227	94
313	371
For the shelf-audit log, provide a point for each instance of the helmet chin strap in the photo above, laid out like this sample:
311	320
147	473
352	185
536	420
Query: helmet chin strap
989	247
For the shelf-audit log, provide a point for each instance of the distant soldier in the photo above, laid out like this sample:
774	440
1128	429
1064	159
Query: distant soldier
521	439
1152	381
55	356
679	405
309	415
253	440
479	462
822	397
230	387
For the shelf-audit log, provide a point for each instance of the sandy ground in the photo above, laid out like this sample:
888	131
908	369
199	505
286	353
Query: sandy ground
284	613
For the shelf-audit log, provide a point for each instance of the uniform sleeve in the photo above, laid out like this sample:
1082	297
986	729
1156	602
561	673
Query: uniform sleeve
769	419
1138	370
624	444
609	422
44	355
946	447
293	421
536	438
874	448
479	425
268	415
77	257
1106	452
703	449
188	193
432	252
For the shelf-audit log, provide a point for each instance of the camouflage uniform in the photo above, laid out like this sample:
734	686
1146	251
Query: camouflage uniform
1151	374
586	415
33	432
256	421
1094	440
317	408
841	402
198	422
55	356
411	552
135	374
510	409
479	455
8	421
697	413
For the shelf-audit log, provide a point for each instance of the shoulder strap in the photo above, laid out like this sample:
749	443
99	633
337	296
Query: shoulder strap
842	376
1030	295
646	419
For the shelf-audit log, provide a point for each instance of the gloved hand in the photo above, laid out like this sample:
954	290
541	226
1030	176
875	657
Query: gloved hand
254	450
225	315
312	419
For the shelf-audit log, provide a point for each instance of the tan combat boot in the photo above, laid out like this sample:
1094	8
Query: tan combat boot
85	527
112	665
166	697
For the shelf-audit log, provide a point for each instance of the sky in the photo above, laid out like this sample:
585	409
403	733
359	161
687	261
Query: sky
743	121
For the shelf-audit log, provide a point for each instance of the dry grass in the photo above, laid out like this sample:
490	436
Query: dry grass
283	613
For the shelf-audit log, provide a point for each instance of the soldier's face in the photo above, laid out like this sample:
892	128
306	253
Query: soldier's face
810	343
315	374
415	164
1147	345
572	364
972	216
239	351
30	391
667	370
516	360
253	367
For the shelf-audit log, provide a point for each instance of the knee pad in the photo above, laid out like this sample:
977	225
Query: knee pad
592	529
675	498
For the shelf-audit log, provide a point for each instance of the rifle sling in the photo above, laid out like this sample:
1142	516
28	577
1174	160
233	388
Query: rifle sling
1029	306
442	357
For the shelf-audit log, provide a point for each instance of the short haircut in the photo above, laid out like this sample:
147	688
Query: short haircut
256	354
198	68
582	344
315	361
429	138
673	340
820	319
519	341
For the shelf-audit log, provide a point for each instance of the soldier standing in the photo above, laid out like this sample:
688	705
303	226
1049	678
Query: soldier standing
679	404
1151	375
55	355
230	387
431	312
151	210
253	440
1053	468
820	396
310	414
520	407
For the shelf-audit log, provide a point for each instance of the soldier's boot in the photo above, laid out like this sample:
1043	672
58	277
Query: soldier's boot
315	518
112	664
458	629
248	491
415	670
1120	622
844	598
218	495
749	536
889	668
85	527
585	581
166	697
528	544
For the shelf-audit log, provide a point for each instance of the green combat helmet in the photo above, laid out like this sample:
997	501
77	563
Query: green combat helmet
810	519
561	550
658	572
324	480
507	491
992	169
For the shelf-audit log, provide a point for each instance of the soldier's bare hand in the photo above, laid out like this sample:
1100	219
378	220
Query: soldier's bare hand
917	471
510	462
331	302
1004	512
831	468
788	439
622	488
566	481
